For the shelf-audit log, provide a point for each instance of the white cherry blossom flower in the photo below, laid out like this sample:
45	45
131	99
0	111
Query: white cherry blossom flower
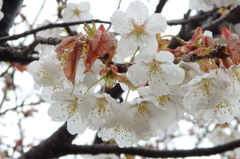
46	71
66	108
98	109
158	70
143	118
121	134
138	29
227	109
202	92
171	104
77	12
218	136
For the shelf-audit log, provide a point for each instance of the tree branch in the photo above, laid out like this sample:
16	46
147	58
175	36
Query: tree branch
146	152
10	9
52	25
160	6
52	146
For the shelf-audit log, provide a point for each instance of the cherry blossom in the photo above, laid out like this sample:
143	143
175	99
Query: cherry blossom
143	118
138	29
98	108
158	70
46	72
205	91
66	108
77	12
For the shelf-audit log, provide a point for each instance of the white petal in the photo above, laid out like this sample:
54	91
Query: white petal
173	73
156	23
58	112
137	74
76	125
127	46
120	23
138	12
85	16
84	6
148	44
164	56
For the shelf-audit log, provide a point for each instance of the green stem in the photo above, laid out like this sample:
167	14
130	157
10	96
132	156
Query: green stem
94	84
127	94
133	56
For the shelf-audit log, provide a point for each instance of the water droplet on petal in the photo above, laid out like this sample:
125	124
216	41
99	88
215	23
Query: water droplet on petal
145	44
165	92
190	105
129	143
134	82
99	134
173	132
72	122
105	138
192	98
129	73
58	119
97	115
175	72
135	2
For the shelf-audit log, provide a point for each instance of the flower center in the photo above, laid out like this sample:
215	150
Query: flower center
138	30
76	11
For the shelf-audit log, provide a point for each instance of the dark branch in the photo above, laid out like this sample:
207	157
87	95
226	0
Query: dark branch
17	36
10	9
191	19
160	6
52	146
146	152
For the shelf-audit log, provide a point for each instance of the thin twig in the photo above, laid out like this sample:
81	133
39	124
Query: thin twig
39	12
51	25
119	4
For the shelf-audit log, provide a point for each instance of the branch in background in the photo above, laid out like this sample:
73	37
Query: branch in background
160	6
191	19
24	56
211	23
10	9
140	151
52	146
52	25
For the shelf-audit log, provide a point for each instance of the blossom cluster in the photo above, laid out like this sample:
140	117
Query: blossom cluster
201	78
